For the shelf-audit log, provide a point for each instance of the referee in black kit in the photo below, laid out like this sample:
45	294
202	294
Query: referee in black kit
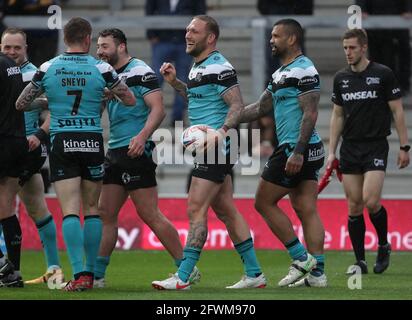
13	148
365	95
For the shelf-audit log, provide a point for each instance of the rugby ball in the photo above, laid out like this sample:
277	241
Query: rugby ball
194	137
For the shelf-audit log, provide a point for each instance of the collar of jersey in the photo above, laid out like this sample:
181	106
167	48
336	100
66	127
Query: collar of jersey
363	71
77	53
121	69
25	63
297	57
210	54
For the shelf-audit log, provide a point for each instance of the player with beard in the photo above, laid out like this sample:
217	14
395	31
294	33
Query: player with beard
214	99
365	97
129	168
293	168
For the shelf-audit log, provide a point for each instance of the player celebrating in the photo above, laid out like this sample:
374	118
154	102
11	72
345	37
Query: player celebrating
74	83
293	169
214	99
13	44
129	168
364	96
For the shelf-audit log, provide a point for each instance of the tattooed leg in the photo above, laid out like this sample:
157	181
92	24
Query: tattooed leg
197	234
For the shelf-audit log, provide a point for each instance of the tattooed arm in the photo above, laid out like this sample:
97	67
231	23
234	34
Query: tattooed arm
168	72
309	104
122	92
181	88
258	109
233	99
25	100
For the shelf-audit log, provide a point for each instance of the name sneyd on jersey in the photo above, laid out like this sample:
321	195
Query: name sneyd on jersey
74	84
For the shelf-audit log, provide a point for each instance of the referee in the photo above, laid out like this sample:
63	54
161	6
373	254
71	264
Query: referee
365	95
13	146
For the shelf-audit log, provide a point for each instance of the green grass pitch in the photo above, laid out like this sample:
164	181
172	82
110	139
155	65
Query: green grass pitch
130	274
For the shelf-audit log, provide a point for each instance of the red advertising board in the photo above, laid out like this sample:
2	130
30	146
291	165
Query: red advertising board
134	234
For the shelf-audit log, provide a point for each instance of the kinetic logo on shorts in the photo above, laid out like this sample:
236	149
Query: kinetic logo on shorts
81	146
316	154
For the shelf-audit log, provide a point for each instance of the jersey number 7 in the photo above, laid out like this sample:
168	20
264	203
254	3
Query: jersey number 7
76	104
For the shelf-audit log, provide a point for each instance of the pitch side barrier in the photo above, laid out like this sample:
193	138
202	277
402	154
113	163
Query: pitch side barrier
134	234
257	24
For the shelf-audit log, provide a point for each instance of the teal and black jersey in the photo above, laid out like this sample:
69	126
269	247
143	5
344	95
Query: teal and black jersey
126	122
207	83
31	118
74	85
287	84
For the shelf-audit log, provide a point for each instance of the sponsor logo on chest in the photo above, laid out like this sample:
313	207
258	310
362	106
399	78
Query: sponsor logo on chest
373	80
360	95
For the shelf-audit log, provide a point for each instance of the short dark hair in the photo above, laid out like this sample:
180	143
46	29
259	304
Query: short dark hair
211	24
293	28
359	34
14	31
76	30
117	34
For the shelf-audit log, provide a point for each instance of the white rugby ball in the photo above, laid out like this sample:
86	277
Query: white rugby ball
194	137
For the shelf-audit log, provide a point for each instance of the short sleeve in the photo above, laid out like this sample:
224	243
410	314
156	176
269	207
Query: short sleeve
109	74
38	77
226	79
143	79
269	86
308	80
2	71
391	86
336	96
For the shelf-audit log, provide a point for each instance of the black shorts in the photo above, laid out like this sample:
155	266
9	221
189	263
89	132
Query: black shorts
132	173
274	170
34	162
13	152
75	154
217	168
360	157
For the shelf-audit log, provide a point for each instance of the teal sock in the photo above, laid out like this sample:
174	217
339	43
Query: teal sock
47	233
320	265
73	238
248	256
92	232
296	250
178	262
190	257
101	266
